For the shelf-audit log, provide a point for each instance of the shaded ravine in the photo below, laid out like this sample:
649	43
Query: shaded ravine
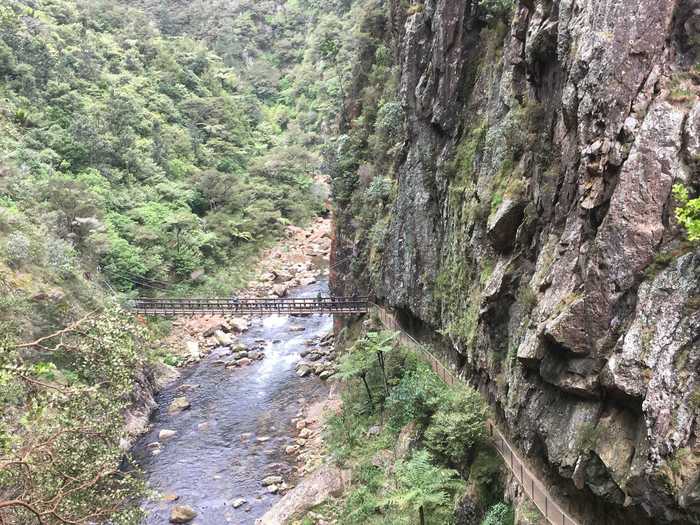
237	428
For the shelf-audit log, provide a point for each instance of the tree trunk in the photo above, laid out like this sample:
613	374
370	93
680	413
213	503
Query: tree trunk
421	513
369	392
380	355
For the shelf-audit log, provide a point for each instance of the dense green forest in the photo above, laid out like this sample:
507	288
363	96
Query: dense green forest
153	157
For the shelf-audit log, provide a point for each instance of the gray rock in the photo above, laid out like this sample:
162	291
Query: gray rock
503	224
166	434
179	404
272	480
182	514
325	482
238	502
303	370
222	338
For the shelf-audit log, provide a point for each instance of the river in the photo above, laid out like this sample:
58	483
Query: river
237	428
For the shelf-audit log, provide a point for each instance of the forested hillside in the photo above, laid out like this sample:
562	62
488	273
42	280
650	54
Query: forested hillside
150	156
143	150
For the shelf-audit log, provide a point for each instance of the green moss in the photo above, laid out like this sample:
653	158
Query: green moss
587	437
415	9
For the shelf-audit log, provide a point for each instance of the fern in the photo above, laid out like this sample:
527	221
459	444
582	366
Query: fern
422	486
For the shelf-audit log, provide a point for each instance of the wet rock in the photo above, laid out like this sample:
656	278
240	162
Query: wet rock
238	347
166	434
223	338
272	480
280	290
182	514
291	449
192	348
179	404
273	489
297	328
244	361
303	370
238	324
326	482
238	502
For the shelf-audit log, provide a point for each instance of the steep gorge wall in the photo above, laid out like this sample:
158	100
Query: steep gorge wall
531	223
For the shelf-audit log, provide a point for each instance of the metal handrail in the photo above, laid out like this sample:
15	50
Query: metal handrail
538	493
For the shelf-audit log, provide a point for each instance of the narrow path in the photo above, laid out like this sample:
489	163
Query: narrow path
551	508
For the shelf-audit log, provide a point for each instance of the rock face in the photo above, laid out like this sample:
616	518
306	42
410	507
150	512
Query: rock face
325	482
532	223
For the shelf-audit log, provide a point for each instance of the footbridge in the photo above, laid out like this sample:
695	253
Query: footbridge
264	306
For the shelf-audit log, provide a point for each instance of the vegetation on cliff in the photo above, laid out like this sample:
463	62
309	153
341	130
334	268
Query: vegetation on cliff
413	443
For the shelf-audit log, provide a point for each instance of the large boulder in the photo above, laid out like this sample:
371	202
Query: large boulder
182	514
179	404
223	338
327	481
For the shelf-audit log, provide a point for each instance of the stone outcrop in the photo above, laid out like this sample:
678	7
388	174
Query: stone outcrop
532	224
326	482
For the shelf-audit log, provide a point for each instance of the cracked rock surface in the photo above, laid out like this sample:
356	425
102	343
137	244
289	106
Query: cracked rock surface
551	259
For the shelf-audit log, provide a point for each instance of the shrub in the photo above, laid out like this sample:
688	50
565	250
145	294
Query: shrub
688	213
17	249
499	514
419	394
458	425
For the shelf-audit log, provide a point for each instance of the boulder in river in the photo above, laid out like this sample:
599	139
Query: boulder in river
223	338
297	328
272	480
326	374
239	324
178	405
327	481
166	434
238	502
303	370
182	514
243	362
280	290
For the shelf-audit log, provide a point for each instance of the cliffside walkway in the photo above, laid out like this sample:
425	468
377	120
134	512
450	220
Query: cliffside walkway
284	306
553	510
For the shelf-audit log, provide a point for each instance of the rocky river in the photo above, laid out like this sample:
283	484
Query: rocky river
230	449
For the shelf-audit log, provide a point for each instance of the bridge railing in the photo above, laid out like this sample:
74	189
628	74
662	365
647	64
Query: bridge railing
296	305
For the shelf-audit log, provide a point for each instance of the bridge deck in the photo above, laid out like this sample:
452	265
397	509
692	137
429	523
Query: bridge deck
302	305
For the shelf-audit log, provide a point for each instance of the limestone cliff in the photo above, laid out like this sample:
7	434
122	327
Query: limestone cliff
529	220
